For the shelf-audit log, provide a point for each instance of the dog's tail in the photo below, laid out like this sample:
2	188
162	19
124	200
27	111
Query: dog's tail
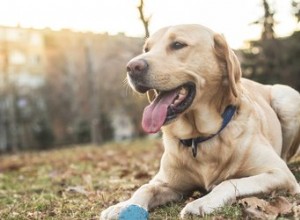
286	103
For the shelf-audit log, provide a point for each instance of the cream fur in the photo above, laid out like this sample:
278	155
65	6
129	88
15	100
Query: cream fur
247	157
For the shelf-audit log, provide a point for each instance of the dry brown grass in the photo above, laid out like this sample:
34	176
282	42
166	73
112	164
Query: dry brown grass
78	182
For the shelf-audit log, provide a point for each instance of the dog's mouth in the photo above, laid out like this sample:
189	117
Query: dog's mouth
166	106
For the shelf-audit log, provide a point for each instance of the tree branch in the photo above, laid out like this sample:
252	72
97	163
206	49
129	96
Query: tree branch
143	18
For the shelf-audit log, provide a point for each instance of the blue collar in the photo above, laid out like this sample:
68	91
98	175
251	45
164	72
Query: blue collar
193	142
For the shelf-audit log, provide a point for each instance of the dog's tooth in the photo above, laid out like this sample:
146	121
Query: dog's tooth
182	91
176	102
181	97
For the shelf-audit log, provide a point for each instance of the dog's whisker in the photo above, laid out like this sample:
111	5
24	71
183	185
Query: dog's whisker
126	85
125	80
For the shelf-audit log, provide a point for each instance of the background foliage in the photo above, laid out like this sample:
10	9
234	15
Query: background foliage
85	90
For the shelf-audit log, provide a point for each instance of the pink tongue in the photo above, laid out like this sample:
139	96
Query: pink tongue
155	114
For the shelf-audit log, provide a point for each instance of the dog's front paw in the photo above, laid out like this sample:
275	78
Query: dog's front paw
199	207
112	212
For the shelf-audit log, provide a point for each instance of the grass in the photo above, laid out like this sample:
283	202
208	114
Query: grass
80	181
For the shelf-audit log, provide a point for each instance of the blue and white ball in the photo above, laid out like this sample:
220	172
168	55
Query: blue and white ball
133	212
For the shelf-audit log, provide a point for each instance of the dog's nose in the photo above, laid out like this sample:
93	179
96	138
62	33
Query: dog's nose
137	67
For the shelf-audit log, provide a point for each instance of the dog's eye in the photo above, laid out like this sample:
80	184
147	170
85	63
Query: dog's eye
146	50
177	45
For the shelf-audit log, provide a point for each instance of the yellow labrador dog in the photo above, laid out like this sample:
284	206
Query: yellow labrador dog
223	134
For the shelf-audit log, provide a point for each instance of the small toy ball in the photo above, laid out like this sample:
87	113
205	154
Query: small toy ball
133	212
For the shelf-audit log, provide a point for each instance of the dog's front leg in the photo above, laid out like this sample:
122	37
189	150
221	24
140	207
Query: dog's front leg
147	196
227	191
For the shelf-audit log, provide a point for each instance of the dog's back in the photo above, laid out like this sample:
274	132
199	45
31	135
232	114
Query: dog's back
286	103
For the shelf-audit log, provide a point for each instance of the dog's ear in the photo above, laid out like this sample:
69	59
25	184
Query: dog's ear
225	54
151	94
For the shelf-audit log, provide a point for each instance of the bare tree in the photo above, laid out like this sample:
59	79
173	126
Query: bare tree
95	119
268	22
144	19
9	110
296	9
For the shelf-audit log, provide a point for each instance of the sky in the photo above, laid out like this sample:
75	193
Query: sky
229	17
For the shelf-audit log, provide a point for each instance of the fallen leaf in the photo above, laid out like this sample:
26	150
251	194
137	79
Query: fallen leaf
125	172
142	175
255	213
77	189
253	202
279	206
262	209
11	166
296	211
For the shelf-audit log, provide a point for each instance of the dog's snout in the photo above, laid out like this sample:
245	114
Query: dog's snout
137	67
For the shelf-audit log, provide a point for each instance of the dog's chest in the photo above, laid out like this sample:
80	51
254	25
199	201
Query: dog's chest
207	169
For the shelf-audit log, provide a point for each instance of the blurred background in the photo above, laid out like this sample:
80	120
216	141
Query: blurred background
62	62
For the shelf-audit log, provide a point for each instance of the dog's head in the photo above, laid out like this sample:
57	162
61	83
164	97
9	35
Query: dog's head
182	64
